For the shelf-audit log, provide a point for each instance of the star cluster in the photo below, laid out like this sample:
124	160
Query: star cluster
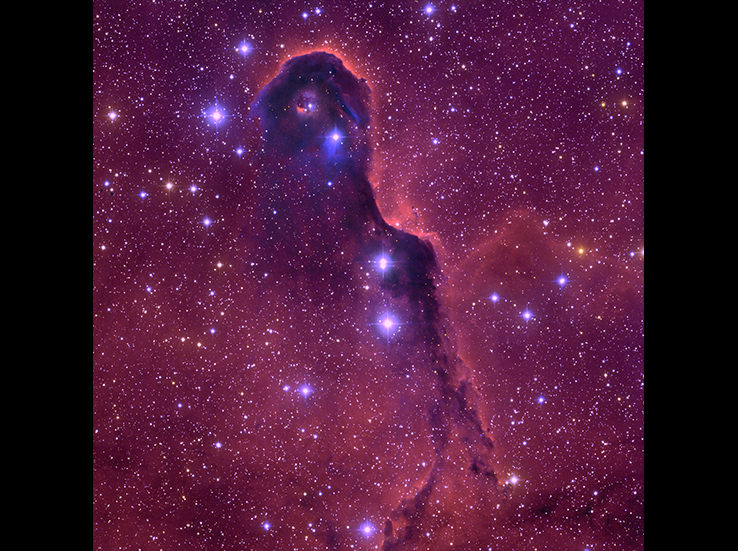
235	408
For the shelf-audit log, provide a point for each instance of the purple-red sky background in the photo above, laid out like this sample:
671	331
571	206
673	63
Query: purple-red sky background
508	134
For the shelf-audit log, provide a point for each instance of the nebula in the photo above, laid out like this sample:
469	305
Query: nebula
401	437
398	312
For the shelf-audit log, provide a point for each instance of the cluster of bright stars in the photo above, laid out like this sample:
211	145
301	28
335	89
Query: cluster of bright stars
387	321
526	314
367	529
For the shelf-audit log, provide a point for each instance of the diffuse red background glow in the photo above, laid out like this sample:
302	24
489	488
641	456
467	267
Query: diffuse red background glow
511	136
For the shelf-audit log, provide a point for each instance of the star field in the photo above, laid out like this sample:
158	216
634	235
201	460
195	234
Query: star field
267	375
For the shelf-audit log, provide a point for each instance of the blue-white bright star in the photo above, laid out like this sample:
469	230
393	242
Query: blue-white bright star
527	315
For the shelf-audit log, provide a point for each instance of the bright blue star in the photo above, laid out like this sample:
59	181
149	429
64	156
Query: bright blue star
333	141
388	325
494	297
244	48
527	315
216	114
367	529
429	9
